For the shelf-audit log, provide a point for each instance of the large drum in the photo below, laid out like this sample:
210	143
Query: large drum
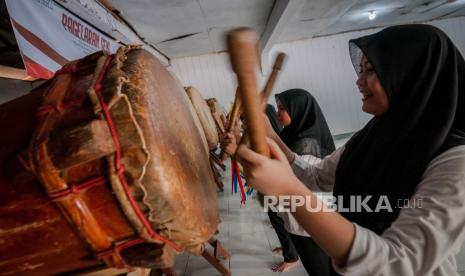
205	116
103	166
219	115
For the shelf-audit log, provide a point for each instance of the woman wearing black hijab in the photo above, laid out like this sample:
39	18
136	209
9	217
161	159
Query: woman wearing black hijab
410	155
306	133
305	128
273	118
288	250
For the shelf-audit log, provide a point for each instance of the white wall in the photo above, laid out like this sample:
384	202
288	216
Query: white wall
211	74
321	66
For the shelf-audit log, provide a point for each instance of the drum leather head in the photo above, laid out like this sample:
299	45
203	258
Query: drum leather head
205	116
168	167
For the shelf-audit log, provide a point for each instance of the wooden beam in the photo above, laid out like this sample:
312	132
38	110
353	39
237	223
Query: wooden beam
283	11
14	73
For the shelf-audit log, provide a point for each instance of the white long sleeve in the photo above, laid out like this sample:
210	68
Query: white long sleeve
422	240
317	174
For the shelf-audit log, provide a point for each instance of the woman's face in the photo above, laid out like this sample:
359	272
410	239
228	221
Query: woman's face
374	97
283	116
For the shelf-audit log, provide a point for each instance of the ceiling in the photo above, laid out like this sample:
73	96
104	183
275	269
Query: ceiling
191	27
326	17
180	28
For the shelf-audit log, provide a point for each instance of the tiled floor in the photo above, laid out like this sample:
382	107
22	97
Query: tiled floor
246	232
461	260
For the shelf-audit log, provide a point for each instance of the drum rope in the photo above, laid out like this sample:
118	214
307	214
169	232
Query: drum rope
118	247
57	107
77	188
119	167
60	107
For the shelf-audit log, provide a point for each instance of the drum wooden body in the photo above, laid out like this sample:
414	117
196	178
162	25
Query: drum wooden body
95	170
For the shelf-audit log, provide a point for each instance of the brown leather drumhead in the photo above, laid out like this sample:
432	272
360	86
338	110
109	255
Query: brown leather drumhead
216	107
168	168
198	125
205	116
219	115
194	116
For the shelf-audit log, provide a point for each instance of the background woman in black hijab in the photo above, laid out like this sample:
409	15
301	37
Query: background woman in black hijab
412	79
307	131
288	250
273	118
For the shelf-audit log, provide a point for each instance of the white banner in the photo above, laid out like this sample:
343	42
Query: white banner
49	36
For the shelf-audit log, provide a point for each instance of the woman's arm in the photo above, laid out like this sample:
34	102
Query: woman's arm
330	230
290	155
229	144
317	174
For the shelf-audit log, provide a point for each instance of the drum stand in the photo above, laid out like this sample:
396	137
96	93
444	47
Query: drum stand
219	250
214	259
162	272
217	161
214	162
219	253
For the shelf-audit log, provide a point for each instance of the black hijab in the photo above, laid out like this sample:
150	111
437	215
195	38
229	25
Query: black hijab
424	76
307	120
273	117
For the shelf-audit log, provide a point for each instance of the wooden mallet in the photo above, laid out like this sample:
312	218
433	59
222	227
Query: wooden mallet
242	45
